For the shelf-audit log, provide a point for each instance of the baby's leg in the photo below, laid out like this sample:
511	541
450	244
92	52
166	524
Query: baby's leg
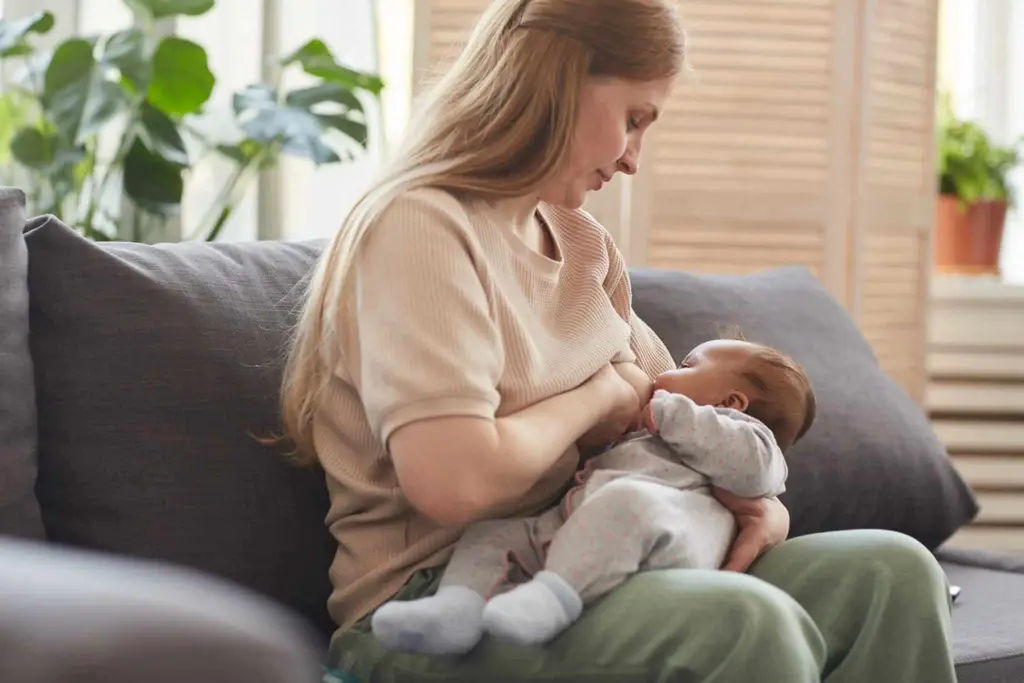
613	535
451	620
702	537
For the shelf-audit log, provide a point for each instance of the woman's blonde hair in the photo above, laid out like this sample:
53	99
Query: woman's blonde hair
498	123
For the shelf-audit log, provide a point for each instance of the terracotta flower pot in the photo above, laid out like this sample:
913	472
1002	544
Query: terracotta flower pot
967	241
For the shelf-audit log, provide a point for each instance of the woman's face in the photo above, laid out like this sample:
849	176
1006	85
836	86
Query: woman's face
614	115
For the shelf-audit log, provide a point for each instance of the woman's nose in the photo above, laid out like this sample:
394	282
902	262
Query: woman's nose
628	163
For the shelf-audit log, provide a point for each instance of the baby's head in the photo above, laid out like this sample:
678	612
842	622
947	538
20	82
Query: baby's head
755	379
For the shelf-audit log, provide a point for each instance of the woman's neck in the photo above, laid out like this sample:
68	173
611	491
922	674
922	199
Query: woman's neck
518	213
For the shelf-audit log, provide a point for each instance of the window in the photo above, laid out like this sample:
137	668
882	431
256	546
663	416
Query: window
982	65
299	201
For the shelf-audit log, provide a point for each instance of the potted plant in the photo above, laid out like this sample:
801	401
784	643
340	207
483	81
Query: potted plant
102	130
974	195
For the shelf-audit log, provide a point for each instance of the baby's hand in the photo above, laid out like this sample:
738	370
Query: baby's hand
648	413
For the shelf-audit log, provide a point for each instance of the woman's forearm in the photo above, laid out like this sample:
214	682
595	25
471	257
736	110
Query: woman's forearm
460	469
532	441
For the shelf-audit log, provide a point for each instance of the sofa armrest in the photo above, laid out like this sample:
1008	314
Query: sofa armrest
77	615
987	559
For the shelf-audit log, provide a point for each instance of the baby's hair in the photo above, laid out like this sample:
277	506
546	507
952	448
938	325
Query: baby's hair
785	400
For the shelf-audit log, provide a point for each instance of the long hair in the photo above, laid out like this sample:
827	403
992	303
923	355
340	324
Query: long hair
498	123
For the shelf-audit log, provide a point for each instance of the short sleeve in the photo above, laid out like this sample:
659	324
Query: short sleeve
421	342
645	347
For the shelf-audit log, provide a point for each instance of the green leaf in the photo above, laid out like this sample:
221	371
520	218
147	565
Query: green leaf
47	153
355	130
313	49
307	98
158	9
243	152
297	130
72	62
316	60
16	109
257	96
971	167
125	50
160	134
182	82
13	33
76	96
19	50
33	149
152	183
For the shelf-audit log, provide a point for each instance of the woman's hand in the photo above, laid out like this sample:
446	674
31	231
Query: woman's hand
623	408
763	523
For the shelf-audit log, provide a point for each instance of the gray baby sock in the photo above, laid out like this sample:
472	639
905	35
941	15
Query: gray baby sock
533	612
447	623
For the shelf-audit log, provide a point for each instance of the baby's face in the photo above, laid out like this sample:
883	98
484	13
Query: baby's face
710	374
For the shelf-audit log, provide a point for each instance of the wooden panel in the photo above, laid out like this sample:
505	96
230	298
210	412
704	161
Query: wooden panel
449	23
980	436
741	163
1001	507
976	399
750	247
991	472
892	315
1009	539
895	200
975	364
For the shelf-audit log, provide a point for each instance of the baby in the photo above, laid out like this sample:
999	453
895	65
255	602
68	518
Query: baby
723	418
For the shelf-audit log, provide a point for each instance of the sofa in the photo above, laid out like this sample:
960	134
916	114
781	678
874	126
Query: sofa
147	533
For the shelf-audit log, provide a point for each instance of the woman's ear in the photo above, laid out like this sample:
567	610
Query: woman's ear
736	400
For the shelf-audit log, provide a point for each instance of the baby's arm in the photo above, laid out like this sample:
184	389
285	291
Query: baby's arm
735	451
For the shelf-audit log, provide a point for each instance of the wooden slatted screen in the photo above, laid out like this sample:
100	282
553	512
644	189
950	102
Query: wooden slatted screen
444	27
739	167
896	201
803	136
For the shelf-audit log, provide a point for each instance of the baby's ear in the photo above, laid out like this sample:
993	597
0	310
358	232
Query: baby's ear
736	400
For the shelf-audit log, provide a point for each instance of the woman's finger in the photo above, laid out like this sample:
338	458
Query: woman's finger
745	549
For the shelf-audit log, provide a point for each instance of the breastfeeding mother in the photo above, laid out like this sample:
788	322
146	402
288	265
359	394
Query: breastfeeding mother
470	327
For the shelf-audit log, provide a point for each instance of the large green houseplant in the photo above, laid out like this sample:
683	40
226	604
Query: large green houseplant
100	130
974	195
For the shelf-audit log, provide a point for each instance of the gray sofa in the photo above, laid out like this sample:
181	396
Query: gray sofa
145	534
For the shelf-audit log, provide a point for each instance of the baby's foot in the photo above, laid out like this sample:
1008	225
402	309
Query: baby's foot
447	623
534	612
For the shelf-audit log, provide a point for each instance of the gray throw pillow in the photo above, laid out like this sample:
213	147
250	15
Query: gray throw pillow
155	367
19	510
871	460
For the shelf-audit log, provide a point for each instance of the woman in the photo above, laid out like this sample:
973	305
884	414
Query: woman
469	327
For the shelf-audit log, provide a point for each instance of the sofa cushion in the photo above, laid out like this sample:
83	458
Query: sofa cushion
156	367
988	616
871	458
19	511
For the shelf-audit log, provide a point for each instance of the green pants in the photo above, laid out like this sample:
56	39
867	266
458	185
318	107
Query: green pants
842	607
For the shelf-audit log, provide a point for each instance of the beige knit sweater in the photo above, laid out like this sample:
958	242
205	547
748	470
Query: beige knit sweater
453	315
